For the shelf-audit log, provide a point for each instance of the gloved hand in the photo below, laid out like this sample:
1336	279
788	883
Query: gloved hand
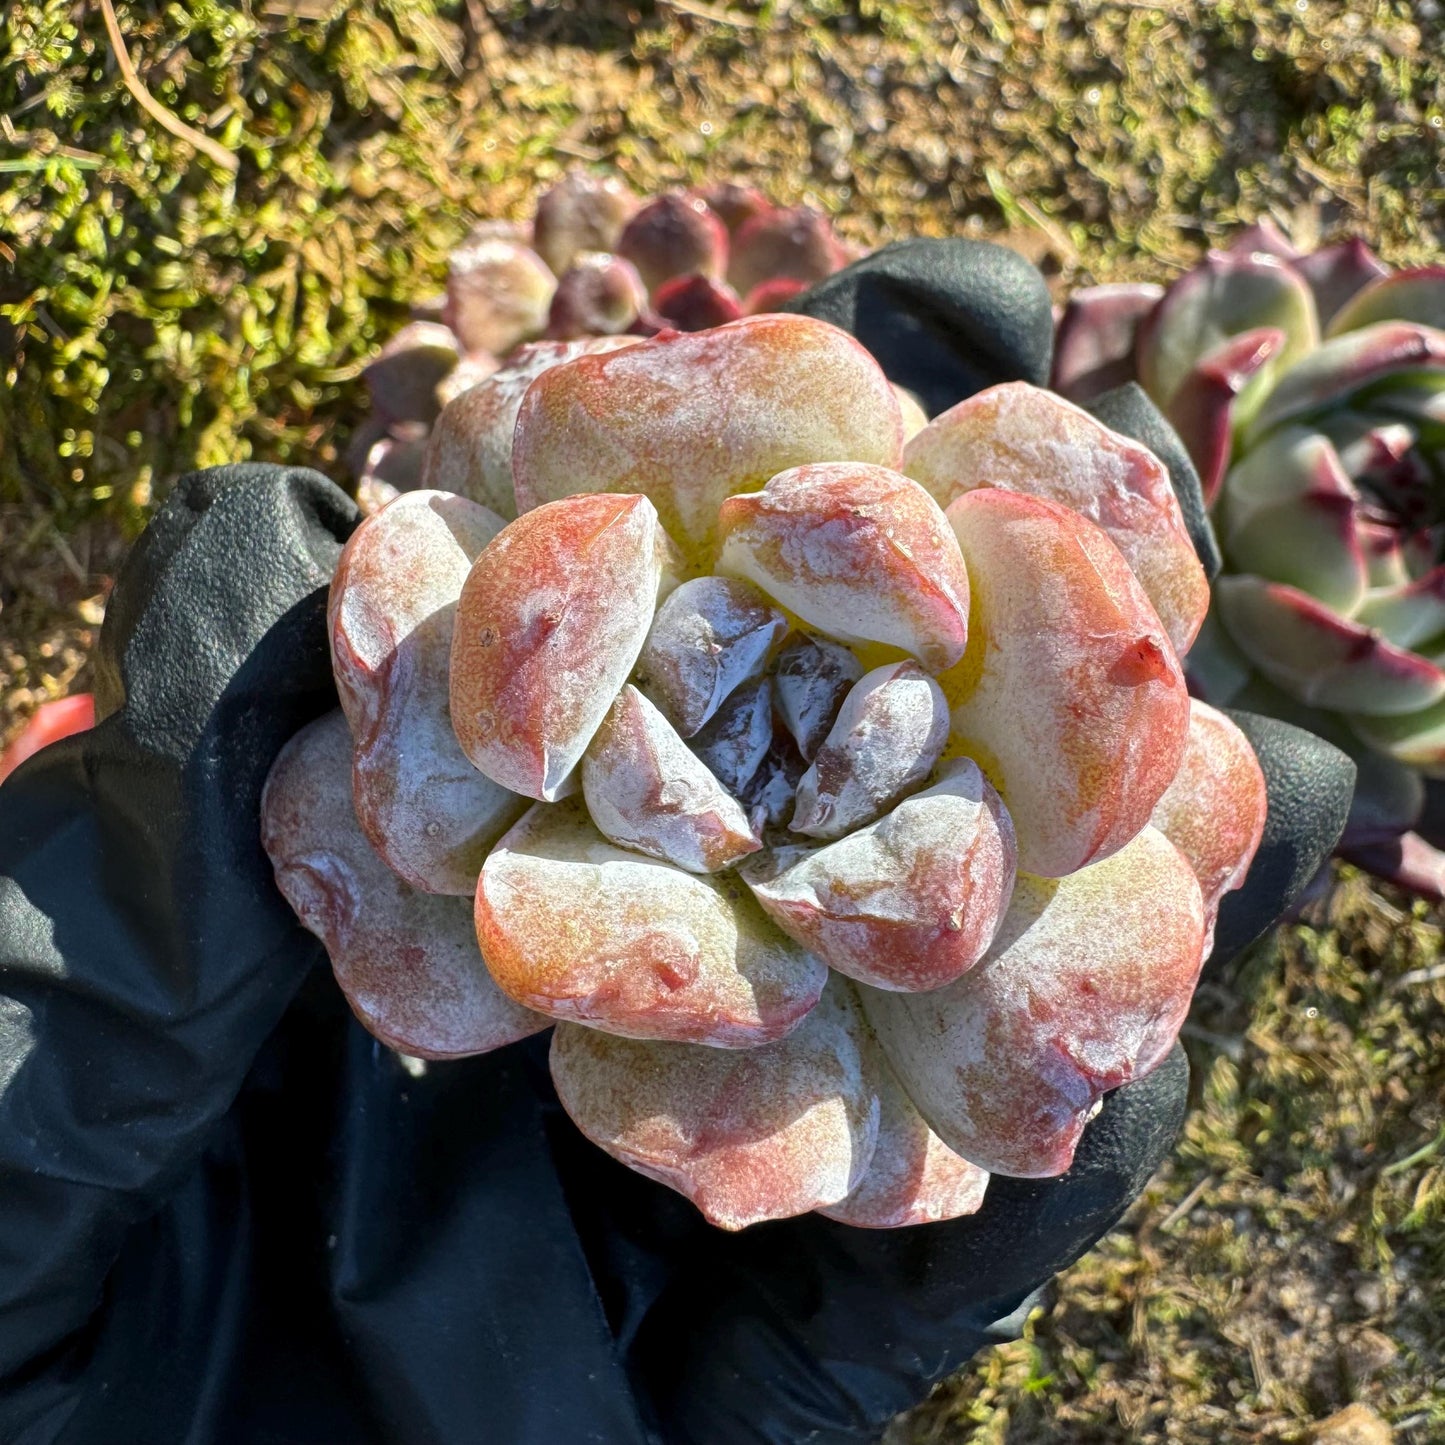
227	1214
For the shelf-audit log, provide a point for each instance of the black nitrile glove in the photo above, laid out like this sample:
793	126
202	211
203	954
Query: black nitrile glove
227	1214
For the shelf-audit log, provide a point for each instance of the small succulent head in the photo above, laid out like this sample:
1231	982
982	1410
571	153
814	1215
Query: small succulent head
836	796
1310	391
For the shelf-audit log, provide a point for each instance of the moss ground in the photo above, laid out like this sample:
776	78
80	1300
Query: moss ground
160	311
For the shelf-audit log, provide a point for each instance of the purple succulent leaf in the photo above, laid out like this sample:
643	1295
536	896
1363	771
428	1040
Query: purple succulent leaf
599	295
1344	365
403	377
580	213
498	294
1288	513
1417	296
1407	861
1095	337
697	303
1264	238
1321	658
1202	410
1336	273
1226	294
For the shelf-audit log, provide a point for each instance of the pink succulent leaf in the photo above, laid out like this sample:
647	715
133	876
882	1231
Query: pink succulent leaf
695	303
674	235
1084	989
861	553
403	377
1399	351
908	902
395	462
1096	337
913	1177
498	294
647	792
770	295
1336	273
1321	658
888	735
1203	409
1025	439
733	202
470	446
811	679
549	626
1407	861
1263	238
582	930
1289	513
580	213
795	242
407	962
1070	697
428	813
747	1135
689	420
599	295
734	742
474	367
1417	296
709	637
1416	738
1226	294
1215	807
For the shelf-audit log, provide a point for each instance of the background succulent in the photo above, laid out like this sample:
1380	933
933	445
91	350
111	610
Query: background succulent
1310	390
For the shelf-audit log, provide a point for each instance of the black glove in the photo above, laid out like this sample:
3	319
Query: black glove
229	1215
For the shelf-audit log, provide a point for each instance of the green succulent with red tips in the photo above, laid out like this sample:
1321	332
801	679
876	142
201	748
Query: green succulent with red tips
1310	392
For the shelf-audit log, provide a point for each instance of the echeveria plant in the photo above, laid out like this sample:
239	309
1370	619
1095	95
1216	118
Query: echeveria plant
1310	391
835	793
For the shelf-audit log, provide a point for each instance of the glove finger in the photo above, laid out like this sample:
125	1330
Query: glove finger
811	1330
945	318
1309	783
144	950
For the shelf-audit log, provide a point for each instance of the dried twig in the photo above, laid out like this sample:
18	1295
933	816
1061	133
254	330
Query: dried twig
227	160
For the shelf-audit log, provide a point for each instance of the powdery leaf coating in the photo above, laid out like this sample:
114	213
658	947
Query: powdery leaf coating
1025	439
891	730
913	1177
470	447
580	213
792	241
811	679
549	625
914	416
690	419
646	791
425	808
909	902
1071	697
770	794
735	741
1084	990
475	367
600	295
498	294
862	553
674	235
746	1135
582	930
711	635
1214	810
407	962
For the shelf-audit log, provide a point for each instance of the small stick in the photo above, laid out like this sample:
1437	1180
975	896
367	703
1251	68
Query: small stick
227	160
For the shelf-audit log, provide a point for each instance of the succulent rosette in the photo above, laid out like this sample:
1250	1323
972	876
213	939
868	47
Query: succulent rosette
1310	391
834	792
597	261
